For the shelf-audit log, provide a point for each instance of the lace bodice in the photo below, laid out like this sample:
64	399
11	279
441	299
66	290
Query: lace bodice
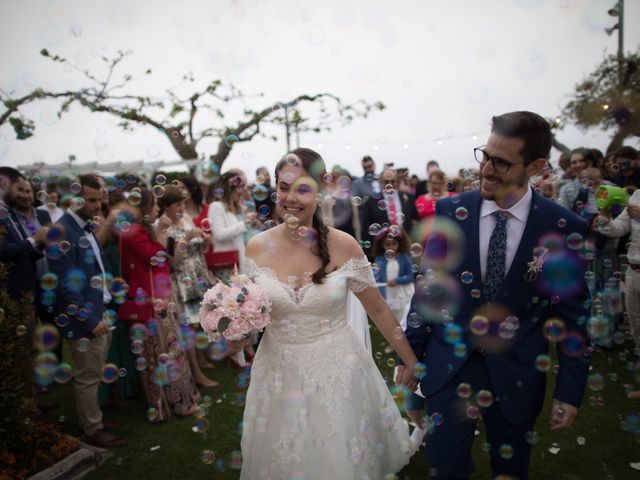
303	315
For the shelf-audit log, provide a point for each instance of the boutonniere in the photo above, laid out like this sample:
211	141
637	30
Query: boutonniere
535	265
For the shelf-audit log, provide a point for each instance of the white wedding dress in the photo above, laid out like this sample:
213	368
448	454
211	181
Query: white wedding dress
317	406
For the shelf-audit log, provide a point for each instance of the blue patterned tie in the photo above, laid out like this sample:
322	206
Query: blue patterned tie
496	257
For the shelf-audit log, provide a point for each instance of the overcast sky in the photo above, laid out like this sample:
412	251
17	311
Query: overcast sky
443	68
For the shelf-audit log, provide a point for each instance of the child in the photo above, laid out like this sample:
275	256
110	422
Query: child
394	269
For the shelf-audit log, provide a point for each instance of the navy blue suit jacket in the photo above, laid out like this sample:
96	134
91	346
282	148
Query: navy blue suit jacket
74	269
19	255
558	291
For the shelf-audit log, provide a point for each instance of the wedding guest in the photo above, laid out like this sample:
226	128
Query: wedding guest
629	175
5	181
413	183
597	157
20	252
610	168
338	209
50	205
228	225
422	187
190	277
396	209
426	204
116	394
364	188
248	207
603	257
263	195
30	224
564	168
578	161
150	309
391	253
404	181
628	222
83	307
194	205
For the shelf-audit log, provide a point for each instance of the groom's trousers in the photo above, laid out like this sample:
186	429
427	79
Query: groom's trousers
449	446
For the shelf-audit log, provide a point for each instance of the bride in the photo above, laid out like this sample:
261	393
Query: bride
317	406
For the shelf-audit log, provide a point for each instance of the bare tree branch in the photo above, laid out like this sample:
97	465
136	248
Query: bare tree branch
176	115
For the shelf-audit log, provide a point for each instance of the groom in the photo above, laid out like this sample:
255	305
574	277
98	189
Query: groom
518	285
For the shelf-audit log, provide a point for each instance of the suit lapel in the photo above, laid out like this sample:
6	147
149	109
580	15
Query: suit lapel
78	233
77	230
473	237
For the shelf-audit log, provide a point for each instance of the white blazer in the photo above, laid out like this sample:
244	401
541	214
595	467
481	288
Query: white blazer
227	230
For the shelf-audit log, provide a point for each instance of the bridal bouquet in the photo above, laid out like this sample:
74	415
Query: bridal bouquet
234	311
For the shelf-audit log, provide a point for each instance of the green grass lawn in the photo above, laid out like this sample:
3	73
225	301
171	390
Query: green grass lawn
605	455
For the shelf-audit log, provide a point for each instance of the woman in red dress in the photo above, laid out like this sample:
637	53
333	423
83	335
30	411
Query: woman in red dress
150	308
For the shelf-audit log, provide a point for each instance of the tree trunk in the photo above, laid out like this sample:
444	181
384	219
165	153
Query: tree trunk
560	146
186	150
631	128
221	155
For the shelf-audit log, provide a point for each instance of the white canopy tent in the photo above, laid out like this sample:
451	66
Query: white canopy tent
144	169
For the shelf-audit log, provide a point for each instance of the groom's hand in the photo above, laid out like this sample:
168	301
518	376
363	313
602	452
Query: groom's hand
562	415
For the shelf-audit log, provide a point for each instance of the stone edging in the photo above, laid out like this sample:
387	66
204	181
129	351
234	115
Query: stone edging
76	465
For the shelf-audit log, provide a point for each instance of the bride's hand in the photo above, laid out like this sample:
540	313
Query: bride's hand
409	379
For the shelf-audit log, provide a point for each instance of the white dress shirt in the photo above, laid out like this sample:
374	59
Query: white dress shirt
55	213
106	294
515	228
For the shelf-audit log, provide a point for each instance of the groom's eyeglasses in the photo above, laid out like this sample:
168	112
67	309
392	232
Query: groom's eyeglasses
500	165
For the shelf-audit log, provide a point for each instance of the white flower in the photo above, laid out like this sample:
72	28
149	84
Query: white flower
535	265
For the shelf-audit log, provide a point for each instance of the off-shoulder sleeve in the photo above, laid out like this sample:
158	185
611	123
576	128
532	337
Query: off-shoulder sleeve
359	274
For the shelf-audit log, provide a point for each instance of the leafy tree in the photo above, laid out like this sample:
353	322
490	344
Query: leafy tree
609	98
174	115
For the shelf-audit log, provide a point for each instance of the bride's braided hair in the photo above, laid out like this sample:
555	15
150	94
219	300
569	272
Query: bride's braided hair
314	165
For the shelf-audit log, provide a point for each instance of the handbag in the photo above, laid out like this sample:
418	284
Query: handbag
223	260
